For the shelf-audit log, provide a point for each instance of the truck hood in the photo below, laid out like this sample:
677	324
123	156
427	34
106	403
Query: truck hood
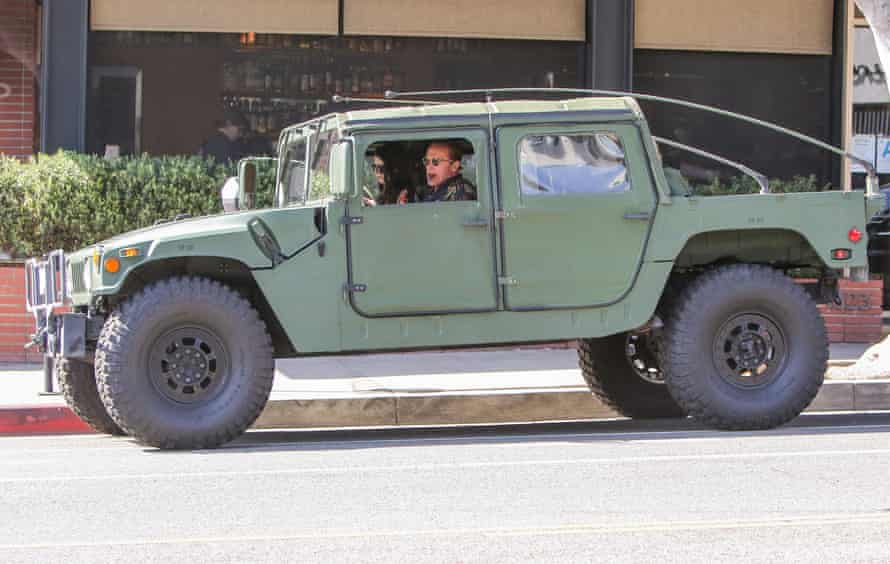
175	228
223	234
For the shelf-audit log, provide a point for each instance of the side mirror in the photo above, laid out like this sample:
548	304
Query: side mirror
229	194
246	183
340	170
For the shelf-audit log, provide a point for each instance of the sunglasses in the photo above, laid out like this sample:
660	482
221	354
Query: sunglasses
435	162
379	169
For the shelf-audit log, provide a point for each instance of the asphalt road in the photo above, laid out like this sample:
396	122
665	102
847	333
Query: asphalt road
817	491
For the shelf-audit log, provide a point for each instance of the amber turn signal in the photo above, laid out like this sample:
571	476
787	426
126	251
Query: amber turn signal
112	265
129	252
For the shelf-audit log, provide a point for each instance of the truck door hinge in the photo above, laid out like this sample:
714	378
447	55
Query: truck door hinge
357	288
504	214
352	220
507	281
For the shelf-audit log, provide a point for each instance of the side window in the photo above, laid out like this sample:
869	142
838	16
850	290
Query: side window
590	163
319	181
415	171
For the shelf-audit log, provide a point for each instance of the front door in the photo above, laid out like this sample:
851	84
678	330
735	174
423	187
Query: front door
579	202
422	258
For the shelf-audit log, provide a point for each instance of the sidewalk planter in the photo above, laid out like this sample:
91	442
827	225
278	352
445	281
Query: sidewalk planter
16	324
858	318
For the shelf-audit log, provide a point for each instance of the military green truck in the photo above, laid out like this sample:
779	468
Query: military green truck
681	305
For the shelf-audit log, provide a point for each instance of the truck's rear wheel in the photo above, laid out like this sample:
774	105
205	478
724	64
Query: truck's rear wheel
184	363
744	348
622	372
77	382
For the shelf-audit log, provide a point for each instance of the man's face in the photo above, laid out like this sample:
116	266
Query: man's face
439	166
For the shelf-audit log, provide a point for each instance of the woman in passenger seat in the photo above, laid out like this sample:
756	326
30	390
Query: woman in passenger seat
387	185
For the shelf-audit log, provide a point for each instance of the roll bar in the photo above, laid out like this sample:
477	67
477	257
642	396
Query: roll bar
871	183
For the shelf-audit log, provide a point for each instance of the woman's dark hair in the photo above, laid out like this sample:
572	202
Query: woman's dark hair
395	180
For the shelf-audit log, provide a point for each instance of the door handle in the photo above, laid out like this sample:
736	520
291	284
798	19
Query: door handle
638	216
476	223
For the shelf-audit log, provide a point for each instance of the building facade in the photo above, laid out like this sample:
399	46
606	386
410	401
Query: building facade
18	77
126	76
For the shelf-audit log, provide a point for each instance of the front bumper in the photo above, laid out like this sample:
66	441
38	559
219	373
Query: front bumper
46	283
47	289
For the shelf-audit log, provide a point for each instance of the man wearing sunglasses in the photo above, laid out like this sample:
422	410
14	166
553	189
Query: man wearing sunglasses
446	184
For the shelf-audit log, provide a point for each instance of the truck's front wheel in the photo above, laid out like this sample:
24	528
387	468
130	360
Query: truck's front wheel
744	348
77	382
184	363
622	372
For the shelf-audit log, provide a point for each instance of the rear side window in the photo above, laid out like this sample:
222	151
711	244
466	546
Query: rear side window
590	163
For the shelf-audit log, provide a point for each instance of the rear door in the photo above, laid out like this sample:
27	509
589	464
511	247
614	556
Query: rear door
579	202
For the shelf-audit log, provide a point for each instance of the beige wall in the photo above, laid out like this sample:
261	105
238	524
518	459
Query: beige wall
772	26
262	16
499	19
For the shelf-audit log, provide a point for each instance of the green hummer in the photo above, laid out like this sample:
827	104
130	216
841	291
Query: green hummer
681	305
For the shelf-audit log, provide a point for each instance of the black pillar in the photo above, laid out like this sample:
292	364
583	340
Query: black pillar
610	44
838	86
63	88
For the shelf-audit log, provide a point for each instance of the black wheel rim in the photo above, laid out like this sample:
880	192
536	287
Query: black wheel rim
641	350
749	351
189	365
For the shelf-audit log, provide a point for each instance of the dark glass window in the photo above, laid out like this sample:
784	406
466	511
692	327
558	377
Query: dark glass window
793	91
190	82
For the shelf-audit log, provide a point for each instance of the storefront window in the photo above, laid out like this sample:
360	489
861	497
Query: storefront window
793	91
188	82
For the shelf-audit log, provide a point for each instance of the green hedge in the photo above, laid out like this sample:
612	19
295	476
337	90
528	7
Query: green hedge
747	185
69	200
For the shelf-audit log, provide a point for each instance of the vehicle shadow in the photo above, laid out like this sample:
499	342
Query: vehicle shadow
578	431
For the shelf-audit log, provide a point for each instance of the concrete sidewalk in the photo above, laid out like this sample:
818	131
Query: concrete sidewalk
428	388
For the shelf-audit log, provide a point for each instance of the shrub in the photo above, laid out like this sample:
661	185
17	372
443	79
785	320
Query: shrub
747	185
69	200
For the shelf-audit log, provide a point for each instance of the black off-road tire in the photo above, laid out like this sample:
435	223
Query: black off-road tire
614	382
225	364
77	382
744	348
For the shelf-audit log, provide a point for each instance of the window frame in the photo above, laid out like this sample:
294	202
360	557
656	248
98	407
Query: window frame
525	197
476	136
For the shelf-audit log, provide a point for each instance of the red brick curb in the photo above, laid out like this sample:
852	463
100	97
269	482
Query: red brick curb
50	420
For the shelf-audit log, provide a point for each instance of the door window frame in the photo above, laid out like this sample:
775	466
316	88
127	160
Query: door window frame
485	204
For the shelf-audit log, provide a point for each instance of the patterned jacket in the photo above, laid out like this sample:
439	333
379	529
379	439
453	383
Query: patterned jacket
454	189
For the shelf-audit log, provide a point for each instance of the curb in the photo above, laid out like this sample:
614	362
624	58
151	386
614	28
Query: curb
441	408
50	420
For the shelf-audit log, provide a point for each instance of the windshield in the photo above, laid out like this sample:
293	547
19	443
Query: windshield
299	147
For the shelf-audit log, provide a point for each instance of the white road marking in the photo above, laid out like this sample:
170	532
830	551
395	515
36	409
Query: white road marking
787	521
449	466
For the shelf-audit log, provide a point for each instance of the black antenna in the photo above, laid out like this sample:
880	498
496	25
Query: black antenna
336	98
488	92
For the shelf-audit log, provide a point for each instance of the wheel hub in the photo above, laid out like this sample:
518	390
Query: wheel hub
189	365
749	350
641	350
